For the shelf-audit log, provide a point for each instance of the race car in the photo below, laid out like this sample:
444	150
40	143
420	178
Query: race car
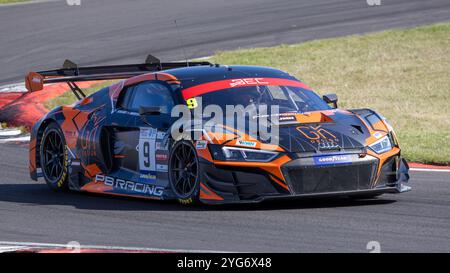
120	140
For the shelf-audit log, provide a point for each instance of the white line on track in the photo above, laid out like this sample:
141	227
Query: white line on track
15	139
9	132
430	170
4	246
14	87
4	249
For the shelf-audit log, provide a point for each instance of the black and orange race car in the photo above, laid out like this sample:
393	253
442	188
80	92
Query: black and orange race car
120	139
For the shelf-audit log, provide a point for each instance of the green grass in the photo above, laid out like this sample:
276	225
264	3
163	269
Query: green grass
68	97
403	74
12	1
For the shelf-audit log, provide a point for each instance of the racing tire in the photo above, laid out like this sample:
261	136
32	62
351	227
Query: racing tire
184	172
54	158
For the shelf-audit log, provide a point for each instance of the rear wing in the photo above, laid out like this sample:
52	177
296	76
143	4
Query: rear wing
72	73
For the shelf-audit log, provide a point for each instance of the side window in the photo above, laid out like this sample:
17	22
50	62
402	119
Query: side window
125	98
149	94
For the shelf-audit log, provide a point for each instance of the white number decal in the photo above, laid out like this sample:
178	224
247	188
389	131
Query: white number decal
147	143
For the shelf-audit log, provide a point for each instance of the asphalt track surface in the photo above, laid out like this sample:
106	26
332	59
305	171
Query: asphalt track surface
42	35
411	222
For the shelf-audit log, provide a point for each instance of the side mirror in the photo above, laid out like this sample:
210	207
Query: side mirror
331	98
149	111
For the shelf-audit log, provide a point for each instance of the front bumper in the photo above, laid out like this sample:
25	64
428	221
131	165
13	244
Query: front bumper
306	180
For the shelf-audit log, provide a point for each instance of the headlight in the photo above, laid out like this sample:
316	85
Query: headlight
382	145
241	154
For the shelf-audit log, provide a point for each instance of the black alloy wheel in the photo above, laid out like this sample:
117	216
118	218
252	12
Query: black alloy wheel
53	157
184	171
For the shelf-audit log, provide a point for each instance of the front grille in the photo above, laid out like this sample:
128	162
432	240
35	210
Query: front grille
314	179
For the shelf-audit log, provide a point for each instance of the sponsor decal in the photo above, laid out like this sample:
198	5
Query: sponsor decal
162	146
162	157
147	176
201	144
160	135
332	159
248	81
131	186
246	143
161	168
275	115
317	134
148	133
286	118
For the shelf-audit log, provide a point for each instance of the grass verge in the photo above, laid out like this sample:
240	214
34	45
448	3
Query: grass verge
69	98
12	1
403	74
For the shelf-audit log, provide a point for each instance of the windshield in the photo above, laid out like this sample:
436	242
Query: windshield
288	98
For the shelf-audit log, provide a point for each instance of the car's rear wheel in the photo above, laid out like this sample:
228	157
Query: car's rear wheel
54	158
184	171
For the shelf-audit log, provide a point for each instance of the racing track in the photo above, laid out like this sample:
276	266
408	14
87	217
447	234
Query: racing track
42	35
414	221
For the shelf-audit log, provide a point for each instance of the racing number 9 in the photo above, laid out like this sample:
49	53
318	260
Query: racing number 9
191	103
146	154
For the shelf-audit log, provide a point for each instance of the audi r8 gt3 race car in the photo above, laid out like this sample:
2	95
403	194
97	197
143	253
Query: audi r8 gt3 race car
120	139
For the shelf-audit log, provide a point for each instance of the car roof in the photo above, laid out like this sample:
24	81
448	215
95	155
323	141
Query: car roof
191	76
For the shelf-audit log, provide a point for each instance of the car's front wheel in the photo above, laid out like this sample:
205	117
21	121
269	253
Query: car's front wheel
184	172
54	158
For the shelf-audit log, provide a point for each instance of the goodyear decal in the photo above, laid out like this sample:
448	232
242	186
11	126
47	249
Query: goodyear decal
148	177
332	159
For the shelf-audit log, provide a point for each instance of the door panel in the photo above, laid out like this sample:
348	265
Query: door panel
125	152
140	149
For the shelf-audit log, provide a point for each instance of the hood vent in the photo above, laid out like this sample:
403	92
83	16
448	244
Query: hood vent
357	127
